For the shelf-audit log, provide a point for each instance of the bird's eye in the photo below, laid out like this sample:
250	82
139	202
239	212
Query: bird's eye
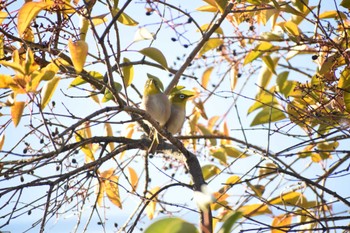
182	96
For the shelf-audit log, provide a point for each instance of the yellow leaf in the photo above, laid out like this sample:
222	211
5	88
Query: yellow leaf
292	28
267	170
112	191
129	130
109	133
49	71
332	14
289	199
200	106
27	13
13	65
280	223
233	77
5	81
3	16
134	180
100	19
254	210
151	207
16	112
86	149
84	27
212	121
210	171
78	51
212	43
128	73
124	18
2	54
48	91
219	154
100	190
233	152
257	52
206	27
231	181
105	175
156	55
2	141
221	4
206	76
207	8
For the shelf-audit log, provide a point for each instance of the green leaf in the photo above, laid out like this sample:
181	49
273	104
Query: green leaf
267	115
171	225
79	80
108	95
160	83
156	55
229	222
212	43
48	91
345	4
221	4
128	72
220	154
210	171
285	86
257	52
271	63
289	199
264	78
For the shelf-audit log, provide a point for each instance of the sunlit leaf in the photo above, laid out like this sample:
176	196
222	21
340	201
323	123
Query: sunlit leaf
171	225
210	171
124	18
112	191
17	111
128	72
233	151
257	52
206	76
133	179
2	54
229	221
212	43
3	16
49	71
289	199
99	19
212	122
109	133
281	223
291	28
13	65
2	141
78	51
200	107
332	14
270	63
231	181
84	27
142	33
79	80
254	210
100	191
151	207
207	8
48	91
28	12
156	55
5	81
268	114
206	27
220	200
233	77
219	154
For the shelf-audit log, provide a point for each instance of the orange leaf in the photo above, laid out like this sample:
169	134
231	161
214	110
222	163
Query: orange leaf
254	209
109	133
206	76
280	222
112	191
78	51
100	189
2	140
16	112
134	180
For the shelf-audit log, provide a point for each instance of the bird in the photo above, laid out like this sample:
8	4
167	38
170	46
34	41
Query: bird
157	105
178	102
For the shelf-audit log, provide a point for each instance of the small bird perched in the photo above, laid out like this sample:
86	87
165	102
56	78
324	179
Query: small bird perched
156	104
178	111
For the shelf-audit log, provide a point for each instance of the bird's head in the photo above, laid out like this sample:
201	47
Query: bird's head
180	98
153	85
